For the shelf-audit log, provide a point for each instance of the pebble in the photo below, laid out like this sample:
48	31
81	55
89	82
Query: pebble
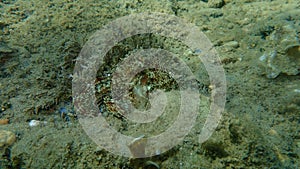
4	121
216	3
232	44
7	138
34	123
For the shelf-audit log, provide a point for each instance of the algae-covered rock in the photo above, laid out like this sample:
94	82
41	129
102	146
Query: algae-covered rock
285	56
7	138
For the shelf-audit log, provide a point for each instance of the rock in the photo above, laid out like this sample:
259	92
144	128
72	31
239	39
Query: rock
229	46
216	3
287	63
284	57
7	138
34	123
232	44
4	121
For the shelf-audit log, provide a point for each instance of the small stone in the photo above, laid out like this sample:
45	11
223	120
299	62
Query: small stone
34	123
232	44
216	3
7	138
4	121
137	147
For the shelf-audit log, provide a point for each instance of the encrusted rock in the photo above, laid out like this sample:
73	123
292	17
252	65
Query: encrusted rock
284	57
7	138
